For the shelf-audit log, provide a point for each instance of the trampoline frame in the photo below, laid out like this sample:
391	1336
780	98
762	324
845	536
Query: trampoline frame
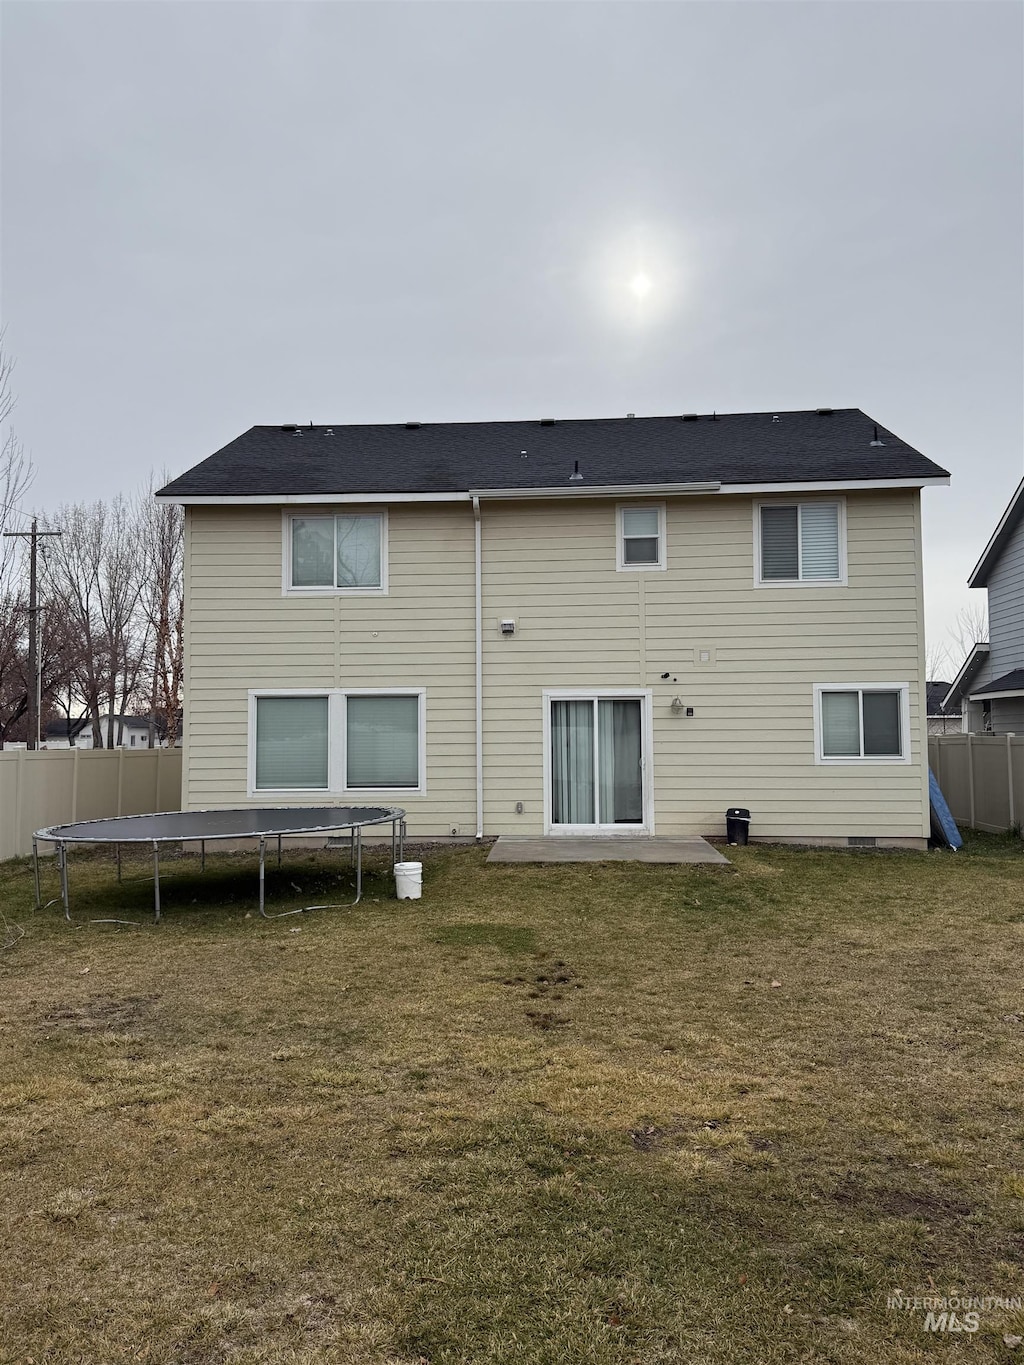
60	838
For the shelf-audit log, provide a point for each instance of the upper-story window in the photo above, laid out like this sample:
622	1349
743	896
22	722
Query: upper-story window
641	536
346	552
800	542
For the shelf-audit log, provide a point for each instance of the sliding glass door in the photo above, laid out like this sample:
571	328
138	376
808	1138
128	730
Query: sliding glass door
596	752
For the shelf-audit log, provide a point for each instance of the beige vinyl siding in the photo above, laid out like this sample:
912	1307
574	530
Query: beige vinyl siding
751	740
245	633
551	566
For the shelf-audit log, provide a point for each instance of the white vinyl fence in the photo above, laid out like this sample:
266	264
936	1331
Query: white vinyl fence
982	778
54	786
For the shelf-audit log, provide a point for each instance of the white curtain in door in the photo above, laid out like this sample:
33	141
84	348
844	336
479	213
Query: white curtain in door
572	763
619	775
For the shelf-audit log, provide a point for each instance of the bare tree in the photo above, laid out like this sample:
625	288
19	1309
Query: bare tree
163	602
969	628
15	478
936	661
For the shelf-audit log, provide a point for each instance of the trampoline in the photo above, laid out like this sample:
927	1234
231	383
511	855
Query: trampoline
203	826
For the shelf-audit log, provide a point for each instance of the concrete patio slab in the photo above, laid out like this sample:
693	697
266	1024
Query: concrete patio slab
597	850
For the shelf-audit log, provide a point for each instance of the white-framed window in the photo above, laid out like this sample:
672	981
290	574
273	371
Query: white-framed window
640	536
336	552
862	722
800	543
337	740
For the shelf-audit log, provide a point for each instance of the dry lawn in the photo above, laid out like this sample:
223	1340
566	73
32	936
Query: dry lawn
602	1114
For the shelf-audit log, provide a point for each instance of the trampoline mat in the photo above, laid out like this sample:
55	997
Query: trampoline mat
245	823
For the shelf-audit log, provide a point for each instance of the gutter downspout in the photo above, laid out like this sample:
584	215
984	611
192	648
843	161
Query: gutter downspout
477	556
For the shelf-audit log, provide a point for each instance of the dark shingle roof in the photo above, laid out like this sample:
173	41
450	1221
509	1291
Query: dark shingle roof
454	457
936	697
1009	682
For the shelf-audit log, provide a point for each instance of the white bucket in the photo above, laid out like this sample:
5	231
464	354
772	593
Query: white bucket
409	881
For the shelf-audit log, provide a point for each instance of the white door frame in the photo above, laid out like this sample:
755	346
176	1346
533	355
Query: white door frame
644	696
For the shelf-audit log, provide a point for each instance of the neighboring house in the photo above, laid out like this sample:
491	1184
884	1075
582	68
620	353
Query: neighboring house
65	734
989	689
940	720
130	732
552	627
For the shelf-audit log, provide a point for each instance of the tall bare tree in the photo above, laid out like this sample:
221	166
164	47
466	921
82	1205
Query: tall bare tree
163	602
969	628
15	479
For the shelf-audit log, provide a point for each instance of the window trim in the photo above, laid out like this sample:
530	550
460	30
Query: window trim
859	760
620	563
289	515
337	739
760	582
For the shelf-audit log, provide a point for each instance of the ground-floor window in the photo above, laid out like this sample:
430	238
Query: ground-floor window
867	722
337	741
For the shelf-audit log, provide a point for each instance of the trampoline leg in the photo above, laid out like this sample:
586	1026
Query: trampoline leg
117	854
263	854
156	882
279	850
359	865
35	870
352	847
62	862
401	840
202	855
394	840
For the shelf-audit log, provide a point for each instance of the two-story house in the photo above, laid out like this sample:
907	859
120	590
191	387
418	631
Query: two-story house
551	627
989	689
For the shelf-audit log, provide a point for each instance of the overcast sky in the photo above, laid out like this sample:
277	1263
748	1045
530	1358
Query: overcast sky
216	215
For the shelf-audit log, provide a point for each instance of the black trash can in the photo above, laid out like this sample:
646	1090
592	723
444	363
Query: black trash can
737	823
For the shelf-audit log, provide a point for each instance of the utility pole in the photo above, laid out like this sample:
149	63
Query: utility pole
33	613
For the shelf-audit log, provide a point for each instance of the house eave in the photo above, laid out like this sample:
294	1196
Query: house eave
1002	533
575	490
996	696
970	667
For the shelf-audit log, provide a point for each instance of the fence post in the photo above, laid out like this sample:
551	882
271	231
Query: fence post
120	781
1009	778
970	775
74	785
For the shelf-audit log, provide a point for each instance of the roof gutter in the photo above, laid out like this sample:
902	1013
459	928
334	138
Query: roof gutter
576	490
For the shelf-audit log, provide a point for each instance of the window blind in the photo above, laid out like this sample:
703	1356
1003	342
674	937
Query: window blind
840	724
882	724
639	535
382	742
819	540
291	742
780	556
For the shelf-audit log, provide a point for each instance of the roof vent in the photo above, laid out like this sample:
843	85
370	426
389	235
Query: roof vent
289	426
630	414
547	421
576	476
824	412
297	431
412	426
689	417
329	431
775	416
877	441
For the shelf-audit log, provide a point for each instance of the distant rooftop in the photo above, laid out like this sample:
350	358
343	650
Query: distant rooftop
752	448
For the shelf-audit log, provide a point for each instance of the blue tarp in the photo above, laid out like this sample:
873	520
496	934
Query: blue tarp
943	825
